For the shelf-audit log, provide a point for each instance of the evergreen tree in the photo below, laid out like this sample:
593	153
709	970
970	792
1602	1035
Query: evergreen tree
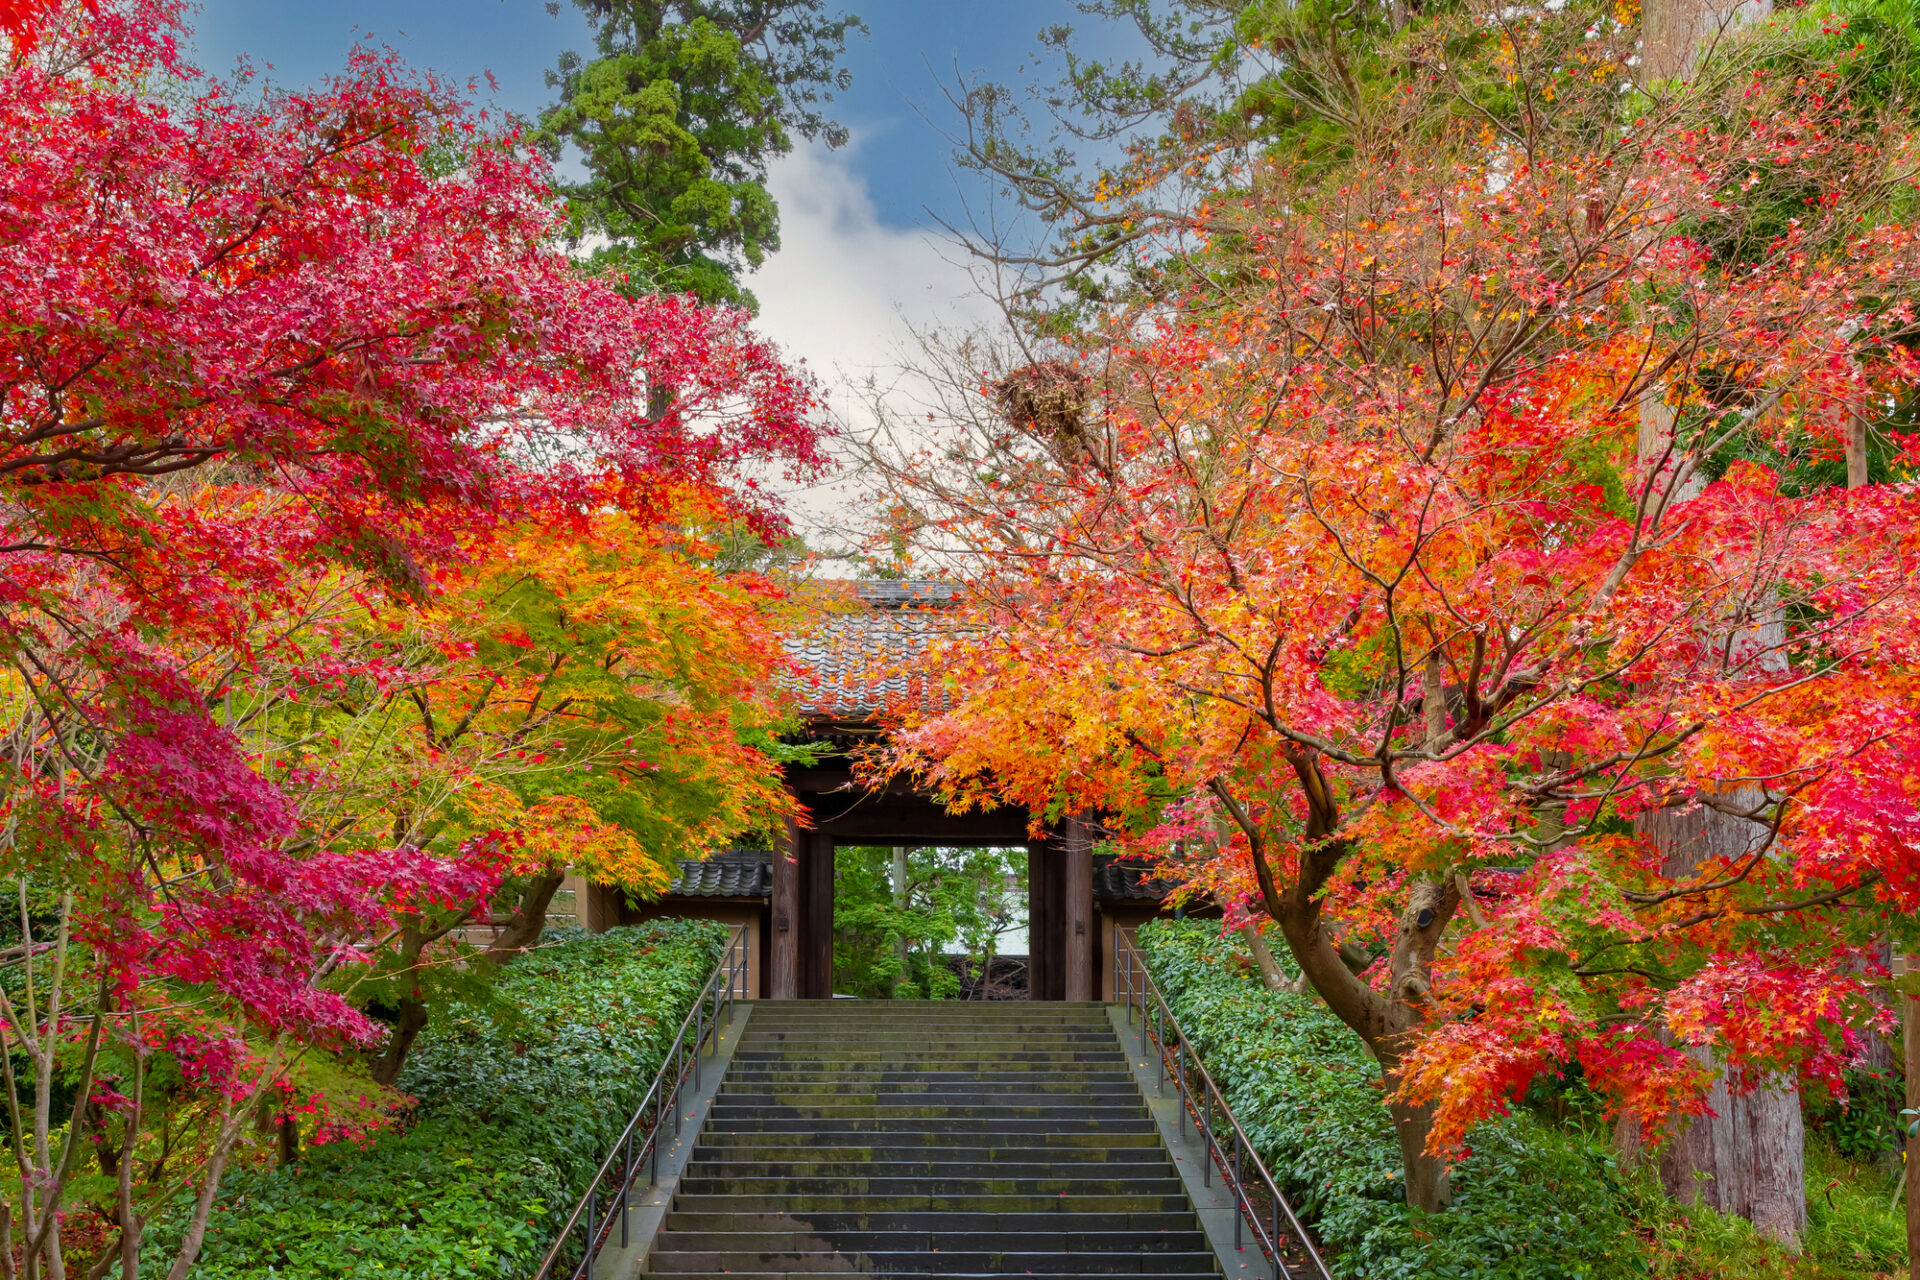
673	121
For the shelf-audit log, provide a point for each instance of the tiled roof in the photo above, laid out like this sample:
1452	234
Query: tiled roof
1115	881
748	873
865	659
735	873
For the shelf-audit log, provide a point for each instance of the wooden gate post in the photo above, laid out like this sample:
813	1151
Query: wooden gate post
1077	940
783	937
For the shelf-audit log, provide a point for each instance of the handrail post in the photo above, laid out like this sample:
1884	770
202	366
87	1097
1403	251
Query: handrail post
1206	1153
1181	1041
626	1184
590	1235
1276	1232
1240	1192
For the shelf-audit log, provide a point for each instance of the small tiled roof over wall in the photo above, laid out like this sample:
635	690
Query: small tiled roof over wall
864	659
1117	881
734	873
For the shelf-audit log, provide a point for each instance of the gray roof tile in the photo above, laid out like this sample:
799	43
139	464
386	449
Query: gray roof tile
734	873
866	660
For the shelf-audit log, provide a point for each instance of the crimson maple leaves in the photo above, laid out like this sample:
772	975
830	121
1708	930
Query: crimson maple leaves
275	372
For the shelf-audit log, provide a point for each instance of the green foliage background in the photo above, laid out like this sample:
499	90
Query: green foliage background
1530	1203
517	1106
1541	1194
954	896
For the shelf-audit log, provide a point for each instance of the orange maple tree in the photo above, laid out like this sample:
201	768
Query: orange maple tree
1396	563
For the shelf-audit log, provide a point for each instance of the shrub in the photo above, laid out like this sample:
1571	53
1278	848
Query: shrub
1530	1201
515	1113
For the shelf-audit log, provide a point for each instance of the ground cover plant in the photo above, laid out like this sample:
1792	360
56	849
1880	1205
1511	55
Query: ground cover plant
518	1100
1528	1202
1542	1193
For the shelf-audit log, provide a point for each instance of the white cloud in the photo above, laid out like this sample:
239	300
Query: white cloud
845	289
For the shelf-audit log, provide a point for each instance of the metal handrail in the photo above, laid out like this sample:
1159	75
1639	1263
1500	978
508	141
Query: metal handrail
614	1180
1179	1062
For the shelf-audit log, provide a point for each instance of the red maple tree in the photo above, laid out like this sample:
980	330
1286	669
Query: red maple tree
253	351
1402	562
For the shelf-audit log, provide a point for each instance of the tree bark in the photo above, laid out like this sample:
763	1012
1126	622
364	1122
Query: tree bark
1747	1158
203	1201
1428	1186
1270	972
1911	1042
529	918
413	1020
1856	449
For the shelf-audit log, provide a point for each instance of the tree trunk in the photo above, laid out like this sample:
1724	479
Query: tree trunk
1746	1158
1856	449
529	918
1270	972
1910	1009
413	1020
203	1199
1428	1186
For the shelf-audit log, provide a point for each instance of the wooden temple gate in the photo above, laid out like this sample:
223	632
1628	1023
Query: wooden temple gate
1063	941
863	667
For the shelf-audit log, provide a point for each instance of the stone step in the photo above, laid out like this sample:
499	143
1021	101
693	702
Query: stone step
1041	1073
788	1158
973	1058
932	1035
943	1167
932	1222
1053	1240
948	1096
697	1182
931	1124
1141	1136
725	1111
923	1202
674	1262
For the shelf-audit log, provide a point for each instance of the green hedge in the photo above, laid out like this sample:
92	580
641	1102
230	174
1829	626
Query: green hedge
515	1116
1532	1202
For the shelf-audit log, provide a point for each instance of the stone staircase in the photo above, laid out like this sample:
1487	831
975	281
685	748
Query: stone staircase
923	1139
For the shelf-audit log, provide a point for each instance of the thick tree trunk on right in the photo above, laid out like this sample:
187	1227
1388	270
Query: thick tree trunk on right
1748	1158
1910	1013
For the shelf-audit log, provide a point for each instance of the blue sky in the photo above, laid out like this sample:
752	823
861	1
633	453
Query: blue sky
897	69
862	266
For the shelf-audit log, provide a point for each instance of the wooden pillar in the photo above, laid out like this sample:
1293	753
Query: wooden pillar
1043	947
816	916
783	940
1077	939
